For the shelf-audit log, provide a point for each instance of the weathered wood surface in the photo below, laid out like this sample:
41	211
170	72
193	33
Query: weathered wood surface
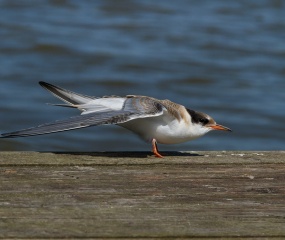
203	194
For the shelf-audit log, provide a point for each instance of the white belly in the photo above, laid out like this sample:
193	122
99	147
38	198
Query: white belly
165	131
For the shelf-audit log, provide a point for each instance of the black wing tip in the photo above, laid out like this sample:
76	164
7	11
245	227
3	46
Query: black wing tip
9	135
44	84
47	85
5	135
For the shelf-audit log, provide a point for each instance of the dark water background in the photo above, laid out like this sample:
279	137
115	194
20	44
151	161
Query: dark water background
225	58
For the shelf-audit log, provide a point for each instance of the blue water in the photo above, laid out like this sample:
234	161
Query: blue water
225	58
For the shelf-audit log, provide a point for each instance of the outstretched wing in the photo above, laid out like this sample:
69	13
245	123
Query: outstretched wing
66	95
133	108
82	121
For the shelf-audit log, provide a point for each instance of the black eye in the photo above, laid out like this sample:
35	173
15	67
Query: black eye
204	121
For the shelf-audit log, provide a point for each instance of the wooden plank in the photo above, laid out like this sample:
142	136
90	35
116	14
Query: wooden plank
111	195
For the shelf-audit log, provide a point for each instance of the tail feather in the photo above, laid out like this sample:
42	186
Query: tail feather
66	95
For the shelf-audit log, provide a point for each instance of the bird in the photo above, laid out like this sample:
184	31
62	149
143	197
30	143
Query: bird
153	120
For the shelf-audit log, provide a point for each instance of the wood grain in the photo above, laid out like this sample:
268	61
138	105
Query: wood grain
134	195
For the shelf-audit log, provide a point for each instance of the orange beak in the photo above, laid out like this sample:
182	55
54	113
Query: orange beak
220	127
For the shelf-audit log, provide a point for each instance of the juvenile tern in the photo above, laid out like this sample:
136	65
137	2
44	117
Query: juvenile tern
154	120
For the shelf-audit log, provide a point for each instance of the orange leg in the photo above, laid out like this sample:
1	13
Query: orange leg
154	149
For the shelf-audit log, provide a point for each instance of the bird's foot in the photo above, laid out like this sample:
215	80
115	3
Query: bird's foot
155	150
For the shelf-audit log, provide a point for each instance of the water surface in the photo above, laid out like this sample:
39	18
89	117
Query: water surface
225	58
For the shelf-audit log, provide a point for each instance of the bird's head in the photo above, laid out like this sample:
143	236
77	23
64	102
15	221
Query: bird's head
203	123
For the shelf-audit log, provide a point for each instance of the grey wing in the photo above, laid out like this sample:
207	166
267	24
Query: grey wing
82	121
134	107
143	106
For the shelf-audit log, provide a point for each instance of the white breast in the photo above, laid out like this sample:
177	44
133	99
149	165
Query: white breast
165	129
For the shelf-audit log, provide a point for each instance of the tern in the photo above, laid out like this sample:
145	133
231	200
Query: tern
153	120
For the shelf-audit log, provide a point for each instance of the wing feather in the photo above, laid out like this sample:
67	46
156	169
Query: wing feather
82	121
66	95
134	107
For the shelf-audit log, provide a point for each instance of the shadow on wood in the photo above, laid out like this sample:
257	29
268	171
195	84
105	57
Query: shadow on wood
131	154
